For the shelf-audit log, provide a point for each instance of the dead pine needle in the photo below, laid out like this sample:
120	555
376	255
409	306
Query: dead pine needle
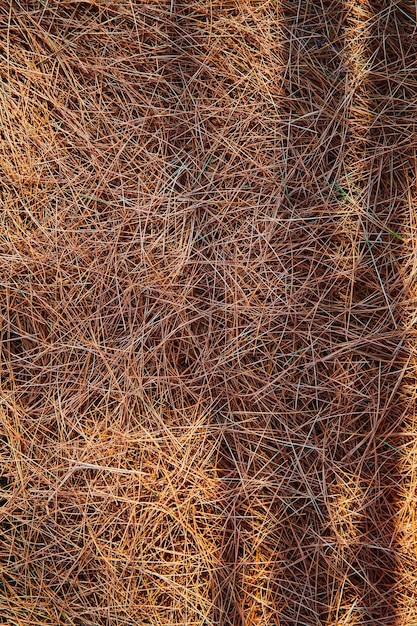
207	386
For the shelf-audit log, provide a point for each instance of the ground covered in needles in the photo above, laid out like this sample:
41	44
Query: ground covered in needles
207	312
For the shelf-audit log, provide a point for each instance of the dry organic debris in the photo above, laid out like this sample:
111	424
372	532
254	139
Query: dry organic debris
207	279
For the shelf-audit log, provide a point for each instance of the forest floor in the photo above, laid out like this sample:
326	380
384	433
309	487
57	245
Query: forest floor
208	313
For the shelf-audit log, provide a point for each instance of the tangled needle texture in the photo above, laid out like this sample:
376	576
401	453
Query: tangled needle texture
207	312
